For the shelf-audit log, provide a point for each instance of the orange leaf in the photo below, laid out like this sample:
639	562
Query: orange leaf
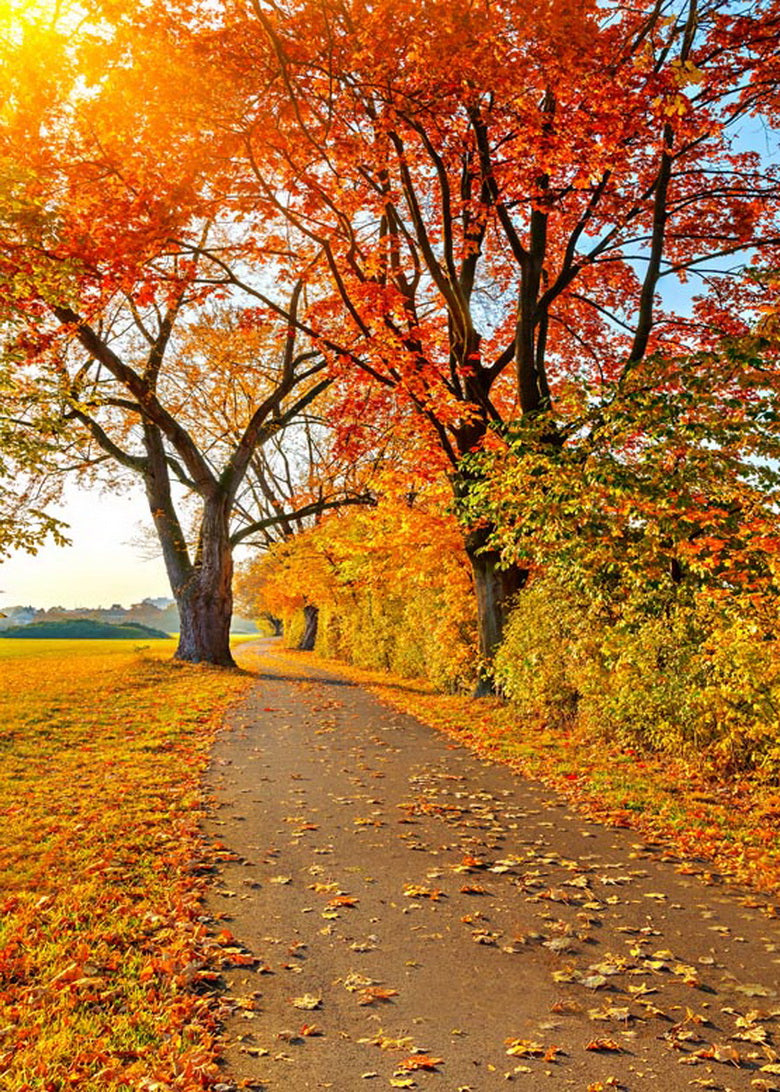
420	1061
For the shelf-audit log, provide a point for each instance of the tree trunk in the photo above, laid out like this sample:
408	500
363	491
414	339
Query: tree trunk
309	638
202	588
204	625
495	589
205	599
275	623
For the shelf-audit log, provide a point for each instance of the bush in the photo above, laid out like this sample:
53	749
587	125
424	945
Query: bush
690	675
652	676
430	634
294	625
536	666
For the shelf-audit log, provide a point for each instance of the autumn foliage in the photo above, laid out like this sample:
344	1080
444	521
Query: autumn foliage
495	255
497	252
540	240
511	268
390	582
102	944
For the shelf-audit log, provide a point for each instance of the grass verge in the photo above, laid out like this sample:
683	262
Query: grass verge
725	827
103	953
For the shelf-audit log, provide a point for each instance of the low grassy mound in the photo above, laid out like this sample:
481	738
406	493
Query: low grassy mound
86	629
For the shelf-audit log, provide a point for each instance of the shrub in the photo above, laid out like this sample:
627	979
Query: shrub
690	674
536	666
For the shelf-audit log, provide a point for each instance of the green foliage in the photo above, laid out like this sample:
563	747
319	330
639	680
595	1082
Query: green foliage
27	485
673	470
536	665
704	680
650	526
684	673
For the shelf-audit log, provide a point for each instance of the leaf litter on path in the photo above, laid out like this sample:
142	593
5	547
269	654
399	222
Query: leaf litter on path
474	820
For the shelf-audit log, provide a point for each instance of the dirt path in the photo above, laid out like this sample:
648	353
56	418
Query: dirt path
400	896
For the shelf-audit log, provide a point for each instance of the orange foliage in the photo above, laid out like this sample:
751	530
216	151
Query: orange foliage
102	945
391	583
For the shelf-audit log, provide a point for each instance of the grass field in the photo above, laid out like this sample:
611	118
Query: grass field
102	747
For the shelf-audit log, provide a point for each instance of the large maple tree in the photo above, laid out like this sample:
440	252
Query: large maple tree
497	199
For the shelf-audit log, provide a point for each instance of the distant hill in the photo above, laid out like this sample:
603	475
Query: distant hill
84	629
160	614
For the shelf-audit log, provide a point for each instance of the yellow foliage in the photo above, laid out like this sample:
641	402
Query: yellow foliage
697	676
101	755
392	585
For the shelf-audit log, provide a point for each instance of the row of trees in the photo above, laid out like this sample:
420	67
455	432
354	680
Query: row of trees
447	229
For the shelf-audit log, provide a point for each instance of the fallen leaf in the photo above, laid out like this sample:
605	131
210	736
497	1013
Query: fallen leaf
470	863
420	1061
375	993
385	1042
523	1048
355	981
343	900
484	936
416	891
594	981
605	1044
611	1012
717	1052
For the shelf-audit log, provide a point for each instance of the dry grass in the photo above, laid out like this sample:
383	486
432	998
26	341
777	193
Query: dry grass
102	749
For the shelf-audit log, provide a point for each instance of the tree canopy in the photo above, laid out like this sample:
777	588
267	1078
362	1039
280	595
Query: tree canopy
539	239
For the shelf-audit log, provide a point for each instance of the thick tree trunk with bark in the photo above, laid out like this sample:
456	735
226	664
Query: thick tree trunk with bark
205	610
495	589
205	598
309	638
203	588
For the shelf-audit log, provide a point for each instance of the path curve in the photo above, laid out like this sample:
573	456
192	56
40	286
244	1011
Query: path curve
427	905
